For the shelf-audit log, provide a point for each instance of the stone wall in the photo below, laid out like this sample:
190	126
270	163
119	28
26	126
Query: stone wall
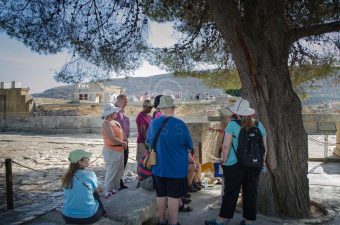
14	100
51	124
201	128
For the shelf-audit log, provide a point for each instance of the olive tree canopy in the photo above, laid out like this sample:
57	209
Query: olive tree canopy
259	39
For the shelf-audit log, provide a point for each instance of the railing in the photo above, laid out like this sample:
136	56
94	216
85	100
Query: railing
9	180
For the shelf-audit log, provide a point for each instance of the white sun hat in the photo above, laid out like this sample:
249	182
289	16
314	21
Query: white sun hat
241	107
225	111
108	109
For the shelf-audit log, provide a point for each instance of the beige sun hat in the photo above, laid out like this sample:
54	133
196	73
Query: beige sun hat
166	102
108	109
241	107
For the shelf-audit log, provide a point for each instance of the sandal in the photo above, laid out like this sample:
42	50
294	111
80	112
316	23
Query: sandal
184	208
186	200
108	194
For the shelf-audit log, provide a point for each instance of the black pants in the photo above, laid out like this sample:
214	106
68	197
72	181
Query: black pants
126	156
235	176
88	220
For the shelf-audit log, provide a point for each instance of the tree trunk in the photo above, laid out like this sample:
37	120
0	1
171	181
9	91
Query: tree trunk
260	53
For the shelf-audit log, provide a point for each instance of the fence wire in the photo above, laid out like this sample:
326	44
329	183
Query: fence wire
28	167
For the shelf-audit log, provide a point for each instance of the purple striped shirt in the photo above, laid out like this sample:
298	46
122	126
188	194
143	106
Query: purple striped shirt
125	123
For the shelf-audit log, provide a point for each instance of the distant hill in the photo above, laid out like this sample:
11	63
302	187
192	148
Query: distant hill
167	83
65	92
323	91
157	84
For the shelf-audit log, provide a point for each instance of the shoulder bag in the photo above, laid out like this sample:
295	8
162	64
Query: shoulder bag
151	158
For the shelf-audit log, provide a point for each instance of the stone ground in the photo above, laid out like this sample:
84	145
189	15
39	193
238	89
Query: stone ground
38	192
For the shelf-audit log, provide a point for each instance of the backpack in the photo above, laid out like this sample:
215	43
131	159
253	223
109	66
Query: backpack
250	149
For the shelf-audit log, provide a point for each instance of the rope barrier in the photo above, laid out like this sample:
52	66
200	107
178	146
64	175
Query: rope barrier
320	142
132	159
28	167
102	155
96	159
313	169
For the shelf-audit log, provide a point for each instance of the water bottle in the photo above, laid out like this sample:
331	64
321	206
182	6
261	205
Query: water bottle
205	182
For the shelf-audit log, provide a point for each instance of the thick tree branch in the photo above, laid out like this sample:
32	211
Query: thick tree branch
231	13
296	34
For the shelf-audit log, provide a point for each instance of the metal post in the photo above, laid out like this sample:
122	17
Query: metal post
4	116
9	184
200	152
325	148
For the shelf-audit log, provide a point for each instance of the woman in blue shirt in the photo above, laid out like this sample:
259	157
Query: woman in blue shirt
82	204
236	174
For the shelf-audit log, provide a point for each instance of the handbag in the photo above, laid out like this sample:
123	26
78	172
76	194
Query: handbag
151	159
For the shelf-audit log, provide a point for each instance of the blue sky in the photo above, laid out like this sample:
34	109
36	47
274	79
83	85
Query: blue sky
19	63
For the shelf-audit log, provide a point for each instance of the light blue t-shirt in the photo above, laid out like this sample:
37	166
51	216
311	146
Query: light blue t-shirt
79	201
172	147
234	128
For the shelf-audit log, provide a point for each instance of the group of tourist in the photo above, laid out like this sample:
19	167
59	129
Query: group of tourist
174	175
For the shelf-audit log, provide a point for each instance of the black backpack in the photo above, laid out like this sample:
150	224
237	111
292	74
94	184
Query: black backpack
250	149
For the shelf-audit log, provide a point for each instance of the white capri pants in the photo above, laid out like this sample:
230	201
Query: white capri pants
114	168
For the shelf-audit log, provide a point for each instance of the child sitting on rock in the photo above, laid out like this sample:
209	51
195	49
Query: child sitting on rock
82	204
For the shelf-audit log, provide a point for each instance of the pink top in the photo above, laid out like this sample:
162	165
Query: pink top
157	114
142	119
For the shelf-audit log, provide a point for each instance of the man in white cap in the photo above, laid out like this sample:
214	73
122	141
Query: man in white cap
143	120
172	146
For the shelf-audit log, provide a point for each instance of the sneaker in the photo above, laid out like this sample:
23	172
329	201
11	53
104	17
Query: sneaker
212	222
